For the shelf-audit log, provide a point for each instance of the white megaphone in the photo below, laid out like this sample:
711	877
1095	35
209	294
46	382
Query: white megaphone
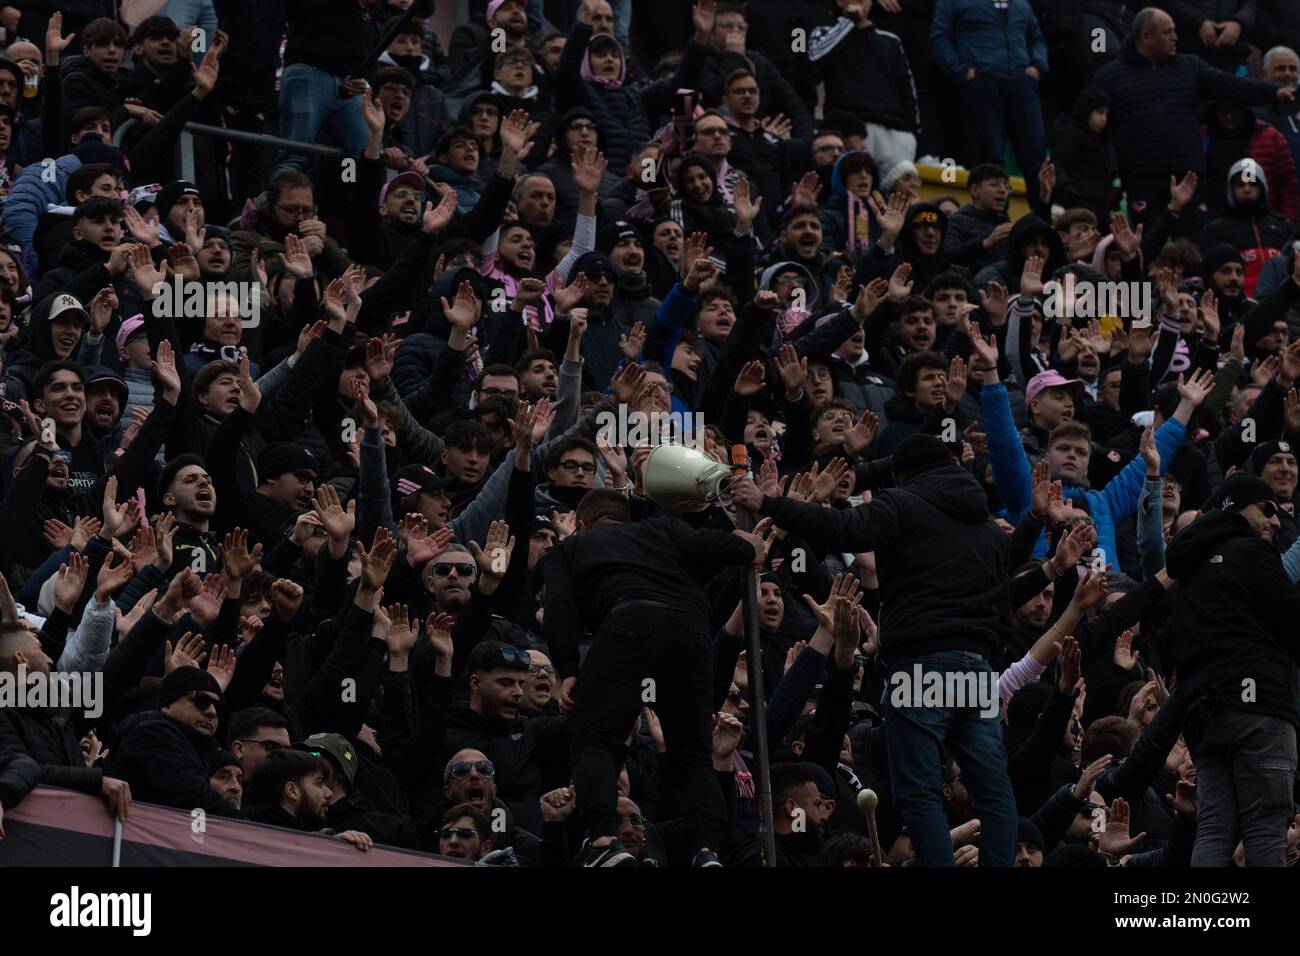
679	478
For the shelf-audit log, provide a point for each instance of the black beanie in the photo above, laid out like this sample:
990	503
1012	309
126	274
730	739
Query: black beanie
184	680
222	758
1266	450
1216	256
613	234
1029	833
917	452
281	457
1243	490
173	191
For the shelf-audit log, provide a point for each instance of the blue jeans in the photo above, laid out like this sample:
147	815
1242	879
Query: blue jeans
998	108
916	734
310	105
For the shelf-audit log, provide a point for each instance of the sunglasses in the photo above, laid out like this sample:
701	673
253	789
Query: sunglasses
443	568
535	669
460	770
513	655
635	819
1268	508
203	701
735	697
465	833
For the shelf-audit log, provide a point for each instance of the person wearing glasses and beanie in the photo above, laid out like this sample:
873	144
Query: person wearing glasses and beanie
1234	618
163	754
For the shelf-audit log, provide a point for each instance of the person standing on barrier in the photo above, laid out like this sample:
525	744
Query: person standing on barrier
637	586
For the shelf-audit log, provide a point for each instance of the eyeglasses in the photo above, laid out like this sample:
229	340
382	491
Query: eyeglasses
405	193
460	770
444	568
268	745
586	467
514	61
735	697
203	701
465	833
635	819
582	127
296	210
535	669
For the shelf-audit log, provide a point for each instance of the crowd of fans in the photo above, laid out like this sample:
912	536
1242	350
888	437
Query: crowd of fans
305	458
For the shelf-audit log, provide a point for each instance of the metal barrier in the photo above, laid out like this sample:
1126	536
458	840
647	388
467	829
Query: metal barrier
186	141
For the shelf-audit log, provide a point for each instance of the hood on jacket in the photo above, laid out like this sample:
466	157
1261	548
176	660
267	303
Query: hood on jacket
1248	170
444	287
837	187
1026	228
1090	98
36	336
561	154
585	71
952	490
1196	543
787	265
905	237
462	118
695	159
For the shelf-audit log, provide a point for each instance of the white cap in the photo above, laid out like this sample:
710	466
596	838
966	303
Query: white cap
65	303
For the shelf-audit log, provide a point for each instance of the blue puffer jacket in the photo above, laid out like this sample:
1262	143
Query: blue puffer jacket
1110	507
30	197
973	33
1155	109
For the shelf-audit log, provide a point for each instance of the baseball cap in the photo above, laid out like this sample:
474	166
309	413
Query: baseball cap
102	375
414	180
415	478
1049	379
335	746
129	328
142	197
67	303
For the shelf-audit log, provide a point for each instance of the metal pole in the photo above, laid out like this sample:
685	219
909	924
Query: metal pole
187	156
262	139
117	842
758	705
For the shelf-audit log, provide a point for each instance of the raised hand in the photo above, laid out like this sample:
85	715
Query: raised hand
792	369
750	380
900	283
237	561
626	382
846	587
113	576
376	563
588	166
1198	387
1090	591
806	190
464	313
633	343
437	217
1182	191
1150	453
828	480
164	370
1127	240
494	556
869	298
860	436
250	393
188	652
295	258
337	521
69	582
1124	656
1114	840
746	209
1031	277
287	597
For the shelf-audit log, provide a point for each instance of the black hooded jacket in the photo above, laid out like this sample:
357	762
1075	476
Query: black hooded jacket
1234	619
559	169
925	267
1085	163
941	560
165	762
1008	270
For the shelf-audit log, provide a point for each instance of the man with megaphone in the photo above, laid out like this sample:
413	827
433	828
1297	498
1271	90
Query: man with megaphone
942	565
636	586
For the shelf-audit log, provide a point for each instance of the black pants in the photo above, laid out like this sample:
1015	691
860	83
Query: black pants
658	656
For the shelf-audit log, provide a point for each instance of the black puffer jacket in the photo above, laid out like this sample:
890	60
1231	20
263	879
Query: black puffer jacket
1234	619
165	762
627	113
52	743
941	560
1156	108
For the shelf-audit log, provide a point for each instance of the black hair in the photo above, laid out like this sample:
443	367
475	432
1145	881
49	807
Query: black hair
102	31
566	445
80	180
486	656
601	504
246	721
155	26
47	372
788	779
482	826
534	355
266	788
87	115
467	433
395	74
98	207
910	370
985	171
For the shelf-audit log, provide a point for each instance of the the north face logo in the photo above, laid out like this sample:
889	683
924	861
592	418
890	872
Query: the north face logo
1217	559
